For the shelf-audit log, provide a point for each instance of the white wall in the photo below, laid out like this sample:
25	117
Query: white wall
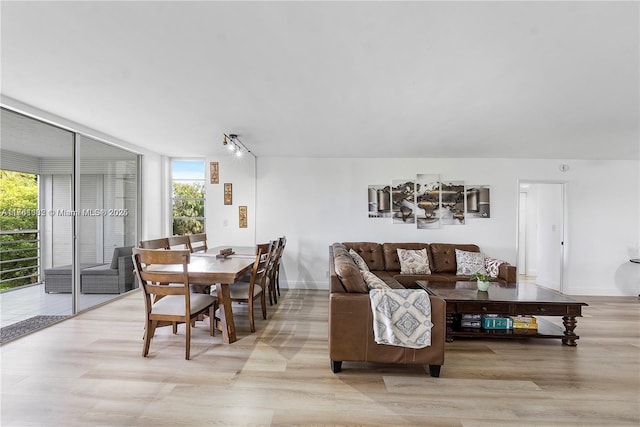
223	220
315	202
153	197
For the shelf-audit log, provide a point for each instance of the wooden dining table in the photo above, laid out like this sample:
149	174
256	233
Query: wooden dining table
206	269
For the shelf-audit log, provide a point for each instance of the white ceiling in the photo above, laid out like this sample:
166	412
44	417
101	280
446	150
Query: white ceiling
327	79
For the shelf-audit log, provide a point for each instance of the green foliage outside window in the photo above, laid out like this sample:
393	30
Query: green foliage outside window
18	212
188	208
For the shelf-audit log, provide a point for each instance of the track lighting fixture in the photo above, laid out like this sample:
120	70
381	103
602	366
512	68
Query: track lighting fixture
233	143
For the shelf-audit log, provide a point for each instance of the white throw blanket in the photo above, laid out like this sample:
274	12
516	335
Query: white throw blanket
401	317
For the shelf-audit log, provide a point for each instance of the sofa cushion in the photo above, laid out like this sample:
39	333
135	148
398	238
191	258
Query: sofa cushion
349	273
469	263
118	252
390	250
443	256
362	265
492	266
66	269
370	252
100	270
413	261
373	281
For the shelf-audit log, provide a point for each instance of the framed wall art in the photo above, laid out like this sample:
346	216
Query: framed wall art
228	193
379	201
478	201
403	201
452	202
428	200
242	216
214	172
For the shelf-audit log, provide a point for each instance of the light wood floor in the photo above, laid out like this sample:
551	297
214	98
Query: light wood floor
88	371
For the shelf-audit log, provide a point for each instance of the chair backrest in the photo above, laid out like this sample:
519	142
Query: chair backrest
264	247
198	242
260	269
154	282
162	243
282	241
273	255
179	242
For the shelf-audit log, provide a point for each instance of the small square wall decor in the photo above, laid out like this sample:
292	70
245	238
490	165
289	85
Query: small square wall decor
478	201
379	201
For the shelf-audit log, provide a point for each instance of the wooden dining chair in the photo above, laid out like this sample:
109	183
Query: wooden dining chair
270	274
162	243
255	288
198	242
167	298
179	242
282	241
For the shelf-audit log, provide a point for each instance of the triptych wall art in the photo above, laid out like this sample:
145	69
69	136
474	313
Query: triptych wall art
427	202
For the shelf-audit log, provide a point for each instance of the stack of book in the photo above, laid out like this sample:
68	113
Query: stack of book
469	320
496	321
524	322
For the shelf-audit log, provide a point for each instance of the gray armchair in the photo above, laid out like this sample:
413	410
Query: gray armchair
114	278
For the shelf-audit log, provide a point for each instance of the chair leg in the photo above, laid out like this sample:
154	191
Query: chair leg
252	322
188	339
272	290
268	289
263	303
149	331
212	319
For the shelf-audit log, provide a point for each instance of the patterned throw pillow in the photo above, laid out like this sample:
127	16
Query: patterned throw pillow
413	261
362	265
468	263
492	266
373	281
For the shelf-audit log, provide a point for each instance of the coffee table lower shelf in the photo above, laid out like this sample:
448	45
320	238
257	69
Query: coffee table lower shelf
546	329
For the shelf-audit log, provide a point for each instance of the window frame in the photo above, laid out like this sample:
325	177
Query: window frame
173	198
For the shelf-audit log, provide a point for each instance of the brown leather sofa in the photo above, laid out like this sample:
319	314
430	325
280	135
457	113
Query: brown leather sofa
351	321
350	317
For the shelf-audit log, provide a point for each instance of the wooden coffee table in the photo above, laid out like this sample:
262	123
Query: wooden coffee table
507	299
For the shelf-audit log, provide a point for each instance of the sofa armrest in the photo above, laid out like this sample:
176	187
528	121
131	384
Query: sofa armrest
507	272
125	273
351	333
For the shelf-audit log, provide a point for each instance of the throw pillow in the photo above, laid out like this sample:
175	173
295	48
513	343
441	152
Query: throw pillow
468	263
373	281
413	261
360	262
492	266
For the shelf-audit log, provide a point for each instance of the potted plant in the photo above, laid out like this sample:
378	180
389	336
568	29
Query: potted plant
482	281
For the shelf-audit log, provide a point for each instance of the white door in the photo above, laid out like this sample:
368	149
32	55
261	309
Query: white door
543	234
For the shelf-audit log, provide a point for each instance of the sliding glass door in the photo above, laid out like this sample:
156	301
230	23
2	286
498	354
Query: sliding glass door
36	219
68	219
108	207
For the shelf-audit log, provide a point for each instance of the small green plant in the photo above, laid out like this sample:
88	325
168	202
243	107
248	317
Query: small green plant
481	277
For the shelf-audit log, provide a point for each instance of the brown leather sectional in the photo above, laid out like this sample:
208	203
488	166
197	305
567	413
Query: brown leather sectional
350	316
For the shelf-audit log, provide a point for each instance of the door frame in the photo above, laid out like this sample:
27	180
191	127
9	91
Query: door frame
564	218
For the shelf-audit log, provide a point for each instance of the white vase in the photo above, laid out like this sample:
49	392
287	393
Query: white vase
482	286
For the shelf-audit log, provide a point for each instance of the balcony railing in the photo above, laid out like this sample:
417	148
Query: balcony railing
19	258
